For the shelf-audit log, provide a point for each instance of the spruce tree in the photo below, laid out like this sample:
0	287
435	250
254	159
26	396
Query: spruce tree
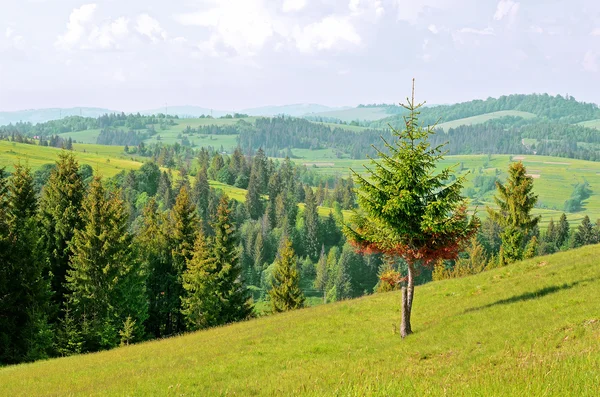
407	209
24	292
106	282
253	199
59	216
311	225
182	233
585	234
200	304
155	255
562	231
201	194
235	304
515	200
285	293
322	277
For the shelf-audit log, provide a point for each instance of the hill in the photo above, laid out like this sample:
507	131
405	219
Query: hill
546	107
469	339
295	110
482	118
35	116
359	113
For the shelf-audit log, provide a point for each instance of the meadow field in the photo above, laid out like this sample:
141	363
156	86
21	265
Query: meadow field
531	328
482	118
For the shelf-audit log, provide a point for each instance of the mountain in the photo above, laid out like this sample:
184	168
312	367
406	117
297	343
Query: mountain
187	111
296	110
530	328
42	115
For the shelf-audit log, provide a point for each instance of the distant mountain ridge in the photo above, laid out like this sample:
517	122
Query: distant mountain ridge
35	116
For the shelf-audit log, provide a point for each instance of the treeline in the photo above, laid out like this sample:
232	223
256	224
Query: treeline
275	134
511	232
110	136
77	123
557	108
87	264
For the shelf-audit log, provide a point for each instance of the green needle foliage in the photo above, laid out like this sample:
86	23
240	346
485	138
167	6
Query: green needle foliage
408	209
285	292
105	281
515	201
59	215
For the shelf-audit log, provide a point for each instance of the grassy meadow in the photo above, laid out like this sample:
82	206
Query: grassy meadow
482	118
531	328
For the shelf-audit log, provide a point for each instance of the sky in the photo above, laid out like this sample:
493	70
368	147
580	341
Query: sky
234	54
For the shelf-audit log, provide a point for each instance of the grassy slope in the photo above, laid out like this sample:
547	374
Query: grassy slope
482	118
528	329
591	124
555	176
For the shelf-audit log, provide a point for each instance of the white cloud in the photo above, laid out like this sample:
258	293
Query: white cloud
330	33
293	5
484	32
9	32
109	34
411	10
150	27
595	32
433	29
361	7
590	61
76	26
243	25
536	29
506	8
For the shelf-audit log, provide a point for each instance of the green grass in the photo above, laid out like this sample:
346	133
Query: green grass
103	158
531	328
483	118
591	124
554	177
86	136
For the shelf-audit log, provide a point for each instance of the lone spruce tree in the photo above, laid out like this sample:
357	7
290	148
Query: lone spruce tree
515	200
409	210
285	292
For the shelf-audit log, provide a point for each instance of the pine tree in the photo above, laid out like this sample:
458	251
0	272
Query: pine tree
155	255
285	293
253	199
311	225
201	194
24	292
106	282
562	231
322	277
200	304
59	216
531	250
235	304
515	201
407	209
585	234
183	230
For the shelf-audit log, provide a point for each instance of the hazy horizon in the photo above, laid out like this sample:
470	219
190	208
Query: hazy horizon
241	54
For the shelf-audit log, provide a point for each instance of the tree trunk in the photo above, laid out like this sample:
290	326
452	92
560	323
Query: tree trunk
407	299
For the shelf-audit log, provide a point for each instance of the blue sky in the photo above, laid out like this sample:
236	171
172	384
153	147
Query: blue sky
132	55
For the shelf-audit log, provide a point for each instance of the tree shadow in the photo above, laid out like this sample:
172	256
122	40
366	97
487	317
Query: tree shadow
531	295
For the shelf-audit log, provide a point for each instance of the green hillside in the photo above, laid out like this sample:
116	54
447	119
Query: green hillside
591	124
358	113
482	118
531	328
